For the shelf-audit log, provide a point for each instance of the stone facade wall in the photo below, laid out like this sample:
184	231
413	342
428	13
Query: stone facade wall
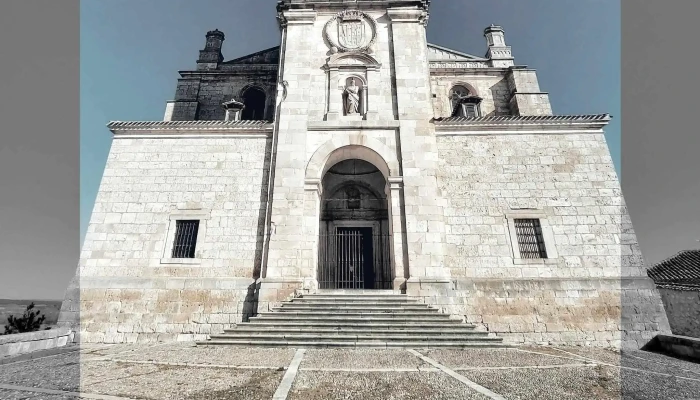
683	311
209	92
129	289
493	89
582	295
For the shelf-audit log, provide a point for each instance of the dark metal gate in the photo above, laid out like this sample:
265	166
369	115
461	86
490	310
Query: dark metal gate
354	258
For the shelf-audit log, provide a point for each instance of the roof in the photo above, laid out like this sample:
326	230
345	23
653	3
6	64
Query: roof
439	53
683	269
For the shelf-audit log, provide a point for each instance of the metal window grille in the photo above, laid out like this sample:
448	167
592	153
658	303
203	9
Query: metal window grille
185	238
530	238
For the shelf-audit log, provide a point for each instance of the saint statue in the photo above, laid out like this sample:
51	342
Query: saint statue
353	102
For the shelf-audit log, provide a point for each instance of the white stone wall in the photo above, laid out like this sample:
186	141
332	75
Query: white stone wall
129	290
594	289
683	310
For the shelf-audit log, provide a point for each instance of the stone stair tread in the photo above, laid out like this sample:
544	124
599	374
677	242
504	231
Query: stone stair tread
301	322
367	337
379	344
442	331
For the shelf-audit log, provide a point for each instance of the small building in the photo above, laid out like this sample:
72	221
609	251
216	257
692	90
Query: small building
678	282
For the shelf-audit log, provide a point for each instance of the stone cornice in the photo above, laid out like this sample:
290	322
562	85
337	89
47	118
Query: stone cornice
242	69
352	125
407	15
523	124
191	128
283	5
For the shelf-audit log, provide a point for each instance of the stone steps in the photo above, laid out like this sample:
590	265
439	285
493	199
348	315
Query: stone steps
354	319
251	330
366	326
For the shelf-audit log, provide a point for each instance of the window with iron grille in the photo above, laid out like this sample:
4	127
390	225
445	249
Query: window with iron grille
530	238
185	238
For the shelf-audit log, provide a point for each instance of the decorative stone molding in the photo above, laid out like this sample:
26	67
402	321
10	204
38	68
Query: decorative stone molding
524	124
298	17
190	128
352	146
407	15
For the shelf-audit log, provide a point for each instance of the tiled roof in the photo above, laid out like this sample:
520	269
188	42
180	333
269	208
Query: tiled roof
194	125
683	268
535	119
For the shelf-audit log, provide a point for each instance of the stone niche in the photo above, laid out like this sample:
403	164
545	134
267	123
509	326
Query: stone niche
351	93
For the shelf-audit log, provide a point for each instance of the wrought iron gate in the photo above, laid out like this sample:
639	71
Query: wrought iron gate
354	258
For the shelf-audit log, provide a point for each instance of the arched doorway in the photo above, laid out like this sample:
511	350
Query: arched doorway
254	101
354	245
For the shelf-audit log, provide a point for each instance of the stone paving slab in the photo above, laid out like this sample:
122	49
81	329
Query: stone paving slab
182	383
321	385
361	359
471	358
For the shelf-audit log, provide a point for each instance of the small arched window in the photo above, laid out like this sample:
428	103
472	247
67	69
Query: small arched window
457	93
254	101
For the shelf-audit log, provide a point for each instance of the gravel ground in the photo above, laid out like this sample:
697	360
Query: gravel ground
465	358
218	355
141	375
641	385
21	395
361	359
580	383
59	372
598	354
310	385
180	383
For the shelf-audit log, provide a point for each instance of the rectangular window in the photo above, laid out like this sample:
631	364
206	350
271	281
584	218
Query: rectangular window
185	238
530	238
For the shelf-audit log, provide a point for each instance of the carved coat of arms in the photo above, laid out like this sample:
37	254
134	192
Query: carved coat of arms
351	30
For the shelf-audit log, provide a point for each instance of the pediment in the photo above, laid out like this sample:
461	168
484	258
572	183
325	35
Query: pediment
438	53
269	56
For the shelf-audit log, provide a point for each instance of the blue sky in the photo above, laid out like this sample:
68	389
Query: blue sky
131	51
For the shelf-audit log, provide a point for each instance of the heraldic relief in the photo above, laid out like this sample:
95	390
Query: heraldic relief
348	33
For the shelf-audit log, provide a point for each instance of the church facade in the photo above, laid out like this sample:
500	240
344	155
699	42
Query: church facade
356	155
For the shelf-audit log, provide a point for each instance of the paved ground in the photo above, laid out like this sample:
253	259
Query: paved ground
182	371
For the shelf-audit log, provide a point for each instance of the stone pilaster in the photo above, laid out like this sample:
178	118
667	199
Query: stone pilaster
423	203
290	237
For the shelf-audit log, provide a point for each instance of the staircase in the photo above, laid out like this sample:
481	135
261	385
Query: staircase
375	319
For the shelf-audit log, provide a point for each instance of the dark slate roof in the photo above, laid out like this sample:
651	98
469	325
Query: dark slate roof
683	269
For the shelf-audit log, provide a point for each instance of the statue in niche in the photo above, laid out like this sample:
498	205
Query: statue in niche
352	103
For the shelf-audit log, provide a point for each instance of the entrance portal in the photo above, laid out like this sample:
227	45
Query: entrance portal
354	246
